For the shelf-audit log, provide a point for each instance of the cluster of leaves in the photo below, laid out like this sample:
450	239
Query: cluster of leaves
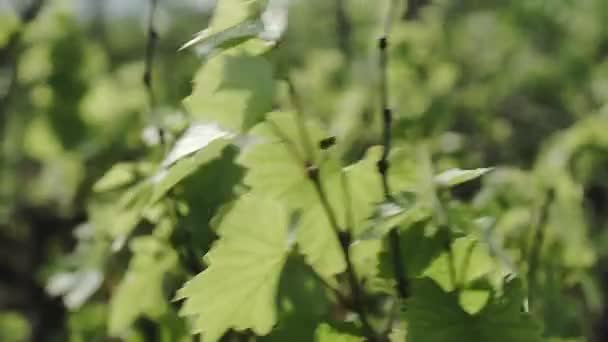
261	212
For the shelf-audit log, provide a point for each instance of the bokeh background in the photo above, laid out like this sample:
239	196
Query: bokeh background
521	85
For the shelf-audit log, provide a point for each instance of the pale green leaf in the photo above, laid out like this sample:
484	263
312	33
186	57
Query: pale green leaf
473	300
239	287
195	138
471	261
276	160
453	177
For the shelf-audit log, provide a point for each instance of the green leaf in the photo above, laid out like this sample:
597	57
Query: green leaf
471	260
403	210
434	315
221	175
119	175
234	24
276	160
419	250
228	14
326	333
206	42
118	218
234	90
239	287
276	166
453	177
141	290
167	178
195	138
473	300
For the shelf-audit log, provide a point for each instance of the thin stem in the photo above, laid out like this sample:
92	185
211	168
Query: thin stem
151	46
384	164
344	238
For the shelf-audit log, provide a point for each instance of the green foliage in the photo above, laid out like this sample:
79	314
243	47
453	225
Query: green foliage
257	191
435	315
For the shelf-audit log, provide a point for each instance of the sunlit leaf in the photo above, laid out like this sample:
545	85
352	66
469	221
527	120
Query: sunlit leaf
239	287
234	90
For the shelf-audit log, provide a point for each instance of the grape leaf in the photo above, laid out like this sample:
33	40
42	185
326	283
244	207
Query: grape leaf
234	90
239	287
276	166
233	24
434	315
471	261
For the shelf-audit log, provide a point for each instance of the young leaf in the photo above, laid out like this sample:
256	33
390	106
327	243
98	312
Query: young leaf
196	137
453	177
228	30
239	287
471	261
434	315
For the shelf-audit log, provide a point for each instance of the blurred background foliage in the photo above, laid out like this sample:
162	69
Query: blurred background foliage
519	85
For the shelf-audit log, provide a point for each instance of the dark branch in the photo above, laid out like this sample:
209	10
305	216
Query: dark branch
345	240
384	164
151	46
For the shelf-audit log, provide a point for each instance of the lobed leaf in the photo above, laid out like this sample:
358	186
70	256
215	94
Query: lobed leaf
239	287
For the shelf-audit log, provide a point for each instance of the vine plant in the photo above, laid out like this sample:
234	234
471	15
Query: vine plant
298	246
